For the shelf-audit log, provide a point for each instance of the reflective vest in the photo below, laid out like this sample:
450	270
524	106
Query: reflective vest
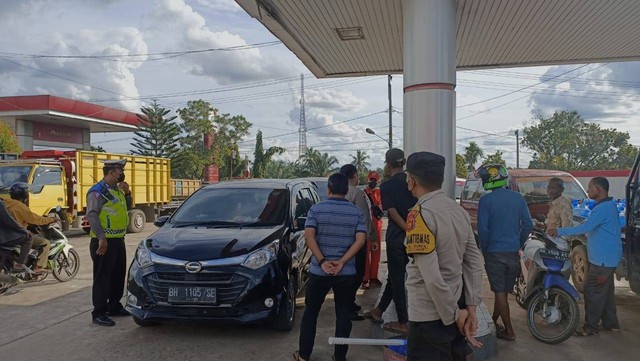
113	215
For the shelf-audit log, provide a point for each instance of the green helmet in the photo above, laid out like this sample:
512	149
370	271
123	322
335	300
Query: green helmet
493	176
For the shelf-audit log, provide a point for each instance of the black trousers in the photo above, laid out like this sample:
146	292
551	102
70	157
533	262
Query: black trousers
433	341
599	298
317	289
109	272
395	289
361	263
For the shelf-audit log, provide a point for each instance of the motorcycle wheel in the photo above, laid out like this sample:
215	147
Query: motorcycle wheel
4	286
65	268
561	318
519	290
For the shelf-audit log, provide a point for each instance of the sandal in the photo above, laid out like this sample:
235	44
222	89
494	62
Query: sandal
370	315
501	335
296	356
585	332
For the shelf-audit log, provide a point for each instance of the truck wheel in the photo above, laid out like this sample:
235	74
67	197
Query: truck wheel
579	267
137	220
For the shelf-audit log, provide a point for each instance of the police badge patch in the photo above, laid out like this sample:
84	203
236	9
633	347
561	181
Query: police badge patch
420	239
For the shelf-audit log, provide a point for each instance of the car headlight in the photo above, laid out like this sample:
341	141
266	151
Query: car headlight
143	256
262	256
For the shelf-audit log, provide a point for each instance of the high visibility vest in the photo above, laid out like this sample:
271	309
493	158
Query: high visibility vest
113	215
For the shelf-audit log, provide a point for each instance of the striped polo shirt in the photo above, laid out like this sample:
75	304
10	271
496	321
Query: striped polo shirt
336	222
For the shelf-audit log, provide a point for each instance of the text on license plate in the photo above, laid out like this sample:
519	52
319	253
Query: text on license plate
191	295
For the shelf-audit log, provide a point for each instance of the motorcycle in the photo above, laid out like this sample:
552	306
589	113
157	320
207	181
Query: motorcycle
543	289
63	260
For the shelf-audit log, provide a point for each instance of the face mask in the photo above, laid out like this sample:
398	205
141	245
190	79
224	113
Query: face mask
372	185
121	178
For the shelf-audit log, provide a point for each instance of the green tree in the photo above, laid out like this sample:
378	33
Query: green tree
361	161
565	141
156	135
472	154
97	149
495	158
200	118
461	167
261	157
281	169
8	141
317	164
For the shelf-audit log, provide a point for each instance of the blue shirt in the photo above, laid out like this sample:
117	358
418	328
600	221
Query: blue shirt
336	222
504	222
604	247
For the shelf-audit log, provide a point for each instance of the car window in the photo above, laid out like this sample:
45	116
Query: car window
534	189
262	206
47	175
304	201
322	189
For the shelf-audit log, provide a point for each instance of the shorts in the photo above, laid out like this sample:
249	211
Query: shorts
502	270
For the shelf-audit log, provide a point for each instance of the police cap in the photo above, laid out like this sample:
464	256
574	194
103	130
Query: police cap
426	164
114	163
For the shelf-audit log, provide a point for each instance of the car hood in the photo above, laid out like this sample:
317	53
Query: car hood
201	243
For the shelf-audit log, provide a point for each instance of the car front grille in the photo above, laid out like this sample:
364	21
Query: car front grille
228	286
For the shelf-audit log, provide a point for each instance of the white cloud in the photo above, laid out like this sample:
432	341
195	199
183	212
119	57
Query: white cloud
220	5
224	66
337	100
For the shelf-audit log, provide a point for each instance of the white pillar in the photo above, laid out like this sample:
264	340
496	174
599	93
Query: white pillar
429	52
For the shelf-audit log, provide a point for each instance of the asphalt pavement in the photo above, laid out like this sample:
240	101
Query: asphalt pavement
52	321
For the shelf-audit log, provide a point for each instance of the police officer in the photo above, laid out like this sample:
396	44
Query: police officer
107	205
445	268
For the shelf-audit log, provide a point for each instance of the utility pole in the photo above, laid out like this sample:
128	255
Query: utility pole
517	149
302	141
390	114
233	154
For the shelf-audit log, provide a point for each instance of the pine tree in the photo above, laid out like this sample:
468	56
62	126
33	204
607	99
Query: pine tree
156	135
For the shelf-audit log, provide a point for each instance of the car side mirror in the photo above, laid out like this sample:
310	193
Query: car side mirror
299	223
160	221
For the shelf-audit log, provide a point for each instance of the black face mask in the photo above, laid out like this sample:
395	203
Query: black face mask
373	185
121	178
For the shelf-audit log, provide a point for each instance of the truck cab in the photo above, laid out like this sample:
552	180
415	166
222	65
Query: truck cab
46	181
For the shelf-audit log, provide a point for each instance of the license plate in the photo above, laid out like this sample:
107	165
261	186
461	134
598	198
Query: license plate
191	295
554	254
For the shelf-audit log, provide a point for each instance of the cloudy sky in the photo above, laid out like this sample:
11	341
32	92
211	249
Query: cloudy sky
132	53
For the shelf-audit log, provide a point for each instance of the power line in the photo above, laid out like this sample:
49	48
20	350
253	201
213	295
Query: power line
158	55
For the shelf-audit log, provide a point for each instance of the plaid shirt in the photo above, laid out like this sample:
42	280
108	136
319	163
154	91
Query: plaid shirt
560	213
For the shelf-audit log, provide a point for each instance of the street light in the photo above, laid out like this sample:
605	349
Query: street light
371	131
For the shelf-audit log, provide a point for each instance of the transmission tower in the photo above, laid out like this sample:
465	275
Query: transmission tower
303	124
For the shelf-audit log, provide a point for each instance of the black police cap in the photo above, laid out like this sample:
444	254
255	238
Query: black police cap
424	164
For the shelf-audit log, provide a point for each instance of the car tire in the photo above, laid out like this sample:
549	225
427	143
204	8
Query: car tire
579	267
137	219
286	316
144	323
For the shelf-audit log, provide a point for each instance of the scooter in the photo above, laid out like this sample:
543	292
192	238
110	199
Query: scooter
63	260
543	289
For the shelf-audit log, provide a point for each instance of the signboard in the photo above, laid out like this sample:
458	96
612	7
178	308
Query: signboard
56	133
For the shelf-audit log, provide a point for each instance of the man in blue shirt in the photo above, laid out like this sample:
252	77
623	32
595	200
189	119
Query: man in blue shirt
504	223
334	231
604	248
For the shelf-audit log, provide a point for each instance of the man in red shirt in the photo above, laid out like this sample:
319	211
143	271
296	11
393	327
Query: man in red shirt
373	249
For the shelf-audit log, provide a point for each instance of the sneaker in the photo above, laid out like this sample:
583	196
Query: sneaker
103	321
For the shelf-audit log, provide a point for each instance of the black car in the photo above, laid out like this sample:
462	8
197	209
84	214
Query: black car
321	184
233	251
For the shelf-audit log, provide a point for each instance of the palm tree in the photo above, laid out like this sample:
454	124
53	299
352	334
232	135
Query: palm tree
317	164
360	160
471	155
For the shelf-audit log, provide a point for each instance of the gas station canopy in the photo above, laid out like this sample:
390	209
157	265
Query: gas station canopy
343	38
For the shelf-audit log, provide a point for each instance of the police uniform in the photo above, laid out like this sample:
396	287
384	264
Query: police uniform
444	270
107	208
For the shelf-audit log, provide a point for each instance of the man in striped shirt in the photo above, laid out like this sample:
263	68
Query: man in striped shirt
334	231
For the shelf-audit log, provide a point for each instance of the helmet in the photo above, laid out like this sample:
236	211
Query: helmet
19	191
493	176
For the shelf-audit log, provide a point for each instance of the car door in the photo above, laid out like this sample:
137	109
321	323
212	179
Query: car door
303	199
469	199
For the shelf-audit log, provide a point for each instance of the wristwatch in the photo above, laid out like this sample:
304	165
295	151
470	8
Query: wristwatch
321	261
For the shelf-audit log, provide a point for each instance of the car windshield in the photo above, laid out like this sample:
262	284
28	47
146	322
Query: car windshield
233	206
458	190
534	189
13	174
